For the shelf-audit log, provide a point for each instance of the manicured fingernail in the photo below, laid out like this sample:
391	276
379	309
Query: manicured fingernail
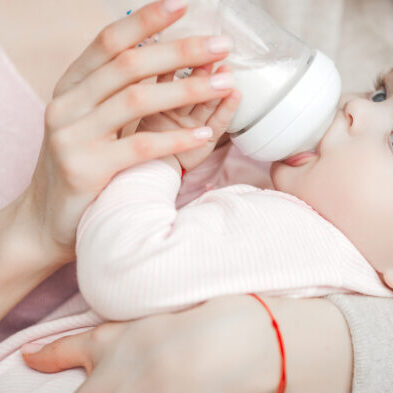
219	44
203	133
31	348
222	81
174	5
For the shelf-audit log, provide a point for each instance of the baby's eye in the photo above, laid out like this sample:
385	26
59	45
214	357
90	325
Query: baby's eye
379	95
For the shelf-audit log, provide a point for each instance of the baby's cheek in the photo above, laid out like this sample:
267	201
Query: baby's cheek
388	277
277	174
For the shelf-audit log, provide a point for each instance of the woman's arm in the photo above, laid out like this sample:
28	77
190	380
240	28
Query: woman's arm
225	345
26	259
81	151
318	345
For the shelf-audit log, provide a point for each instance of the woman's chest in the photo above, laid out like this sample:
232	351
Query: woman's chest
43	37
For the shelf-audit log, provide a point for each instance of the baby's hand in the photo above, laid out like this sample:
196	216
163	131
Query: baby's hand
216	114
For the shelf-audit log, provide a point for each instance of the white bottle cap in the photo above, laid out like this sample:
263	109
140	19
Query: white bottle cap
300	119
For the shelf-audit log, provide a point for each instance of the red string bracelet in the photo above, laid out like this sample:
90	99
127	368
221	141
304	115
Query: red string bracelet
183	171
283	380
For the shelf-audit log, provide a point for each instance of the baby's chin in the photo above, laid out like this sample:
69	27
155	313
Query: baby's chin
273	174
282	176
388	278
288	176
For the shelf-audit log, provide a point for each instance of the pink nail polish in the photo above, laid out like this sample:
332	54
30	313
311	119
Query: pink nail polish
219	44
203	133
174	5
222	81
31	348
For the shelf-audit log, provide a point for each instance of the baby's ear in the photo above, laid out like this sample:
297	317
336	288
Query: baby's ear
388	277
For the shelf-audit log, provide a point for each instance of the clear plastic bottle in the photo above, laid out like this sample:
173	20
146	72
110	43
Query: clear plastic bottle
290	91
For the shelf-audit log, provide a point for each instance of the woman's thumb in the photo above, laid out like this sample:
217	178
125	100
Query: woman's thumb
63	354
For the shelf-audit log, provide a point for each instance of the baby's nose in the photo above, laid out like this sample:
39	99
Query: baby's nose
368	117
359	113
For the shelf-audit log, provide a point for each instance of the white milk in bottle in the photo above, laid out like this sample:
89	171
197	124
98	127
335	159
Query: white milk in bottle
290	92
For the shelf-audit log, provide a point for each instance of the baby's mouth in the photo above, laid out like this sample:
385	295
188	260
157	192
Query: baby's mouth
300	158
305	157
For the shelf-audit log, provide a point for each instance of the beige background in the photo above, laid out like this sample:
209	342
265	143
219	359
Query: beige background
358	34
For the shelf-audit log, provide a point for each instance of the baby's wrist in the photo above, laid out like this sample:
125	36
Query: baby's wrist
174	163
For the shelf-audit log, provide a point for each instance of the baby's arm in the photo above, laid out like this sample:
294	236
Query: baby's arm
138	255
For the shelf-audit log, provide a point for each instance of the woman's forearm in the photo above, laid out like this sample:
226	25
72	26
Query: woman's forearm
226	345
26	256
316	338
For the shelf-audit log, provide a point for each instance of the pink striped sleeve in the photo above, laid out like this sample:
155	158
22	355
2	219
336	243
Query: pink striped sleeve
138	255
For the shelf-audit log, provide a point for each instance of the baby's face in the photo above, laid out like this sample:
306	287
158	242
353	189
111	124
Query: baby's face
349	181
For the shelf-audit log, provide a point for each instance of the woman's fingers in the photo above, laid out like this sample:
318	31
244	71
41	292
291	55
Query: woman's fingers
138	101
99	382
204	70
121	374
145	146
120	35
134	65
65	353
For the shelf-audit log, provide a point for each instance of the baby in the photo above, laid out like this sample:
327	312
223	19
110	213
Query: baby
142	250
322	231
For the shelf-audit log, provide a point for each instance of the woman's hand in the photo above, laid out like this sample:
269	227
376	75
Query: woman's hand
215	347
225	345
100	94
216	114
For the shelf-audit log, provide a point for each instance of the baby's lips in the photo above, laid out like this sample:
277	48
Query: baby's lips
299	159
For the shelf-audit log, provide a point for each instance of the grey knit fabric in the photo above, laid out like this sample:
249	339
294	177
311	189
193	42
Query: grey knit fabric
370	321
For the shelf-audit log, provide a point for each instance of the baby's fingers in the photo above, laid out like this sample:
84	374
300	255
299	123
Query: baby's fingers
201	113
222	117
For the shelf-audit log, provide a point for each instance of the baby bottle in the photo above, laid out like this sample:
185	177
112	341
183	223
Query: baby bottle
290	92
